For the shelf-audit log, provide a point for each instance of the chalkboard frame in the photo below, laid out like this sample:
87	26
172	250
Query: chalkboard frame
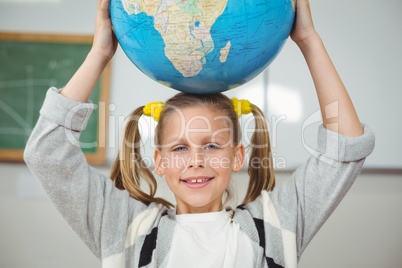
99	156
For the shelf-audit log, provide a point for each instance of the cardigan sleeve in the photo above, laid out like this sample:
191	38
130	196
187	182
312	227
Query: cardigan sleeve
305	202
96	210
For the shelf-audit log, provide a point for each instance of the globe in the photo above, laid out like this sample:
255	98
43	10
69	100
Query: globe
202	46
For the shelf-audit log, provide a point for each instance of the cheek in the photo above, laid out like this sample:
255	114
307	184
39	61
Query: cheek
223	183
227	176
222	162
169	180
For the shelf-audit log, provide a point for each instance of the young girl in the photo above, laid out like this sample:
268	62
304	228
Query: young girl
198	147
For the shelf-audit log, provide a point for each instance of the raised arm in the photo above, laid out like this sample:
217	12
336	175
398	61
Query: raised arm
338	112
87	199
80	86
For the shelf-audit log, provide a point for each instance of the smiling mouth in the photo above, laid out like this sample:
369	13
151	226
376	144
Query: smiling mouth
194	181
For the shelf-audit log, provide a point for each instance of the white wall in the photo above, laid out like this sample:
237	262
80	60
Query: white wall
364	41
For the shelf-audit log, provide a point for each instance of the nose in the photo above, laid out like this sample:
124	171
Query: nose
197	160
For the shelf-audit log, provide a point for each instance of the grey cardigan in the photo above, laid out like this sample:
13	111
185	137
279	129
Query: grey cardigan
124	232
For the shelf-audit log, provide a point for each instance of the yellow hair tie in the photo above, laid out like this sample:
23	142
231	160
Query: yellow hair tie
241	106
153	109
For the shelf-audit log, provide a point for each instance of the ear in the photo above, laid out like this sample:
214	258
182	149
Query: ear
239	159
158	162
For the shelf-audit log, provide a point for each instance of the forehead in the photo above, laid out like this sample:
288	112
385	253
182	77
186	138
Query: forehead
196	122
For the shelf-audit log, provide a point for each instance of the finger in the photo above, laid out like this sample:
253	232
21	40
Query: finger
103	13
104	4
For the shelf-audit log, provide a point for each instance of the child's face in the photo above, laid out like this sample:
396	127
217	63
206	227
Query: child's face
197	158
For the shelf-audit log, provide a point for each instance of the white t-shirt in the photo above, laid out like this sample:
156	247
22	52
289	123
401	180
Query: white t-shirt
208	240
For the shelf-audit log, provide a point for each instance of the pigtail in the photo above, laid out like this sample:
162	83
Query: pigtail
260	168
129	167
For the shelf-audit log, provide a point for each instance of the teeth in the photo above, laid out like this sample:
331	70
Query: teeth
198	180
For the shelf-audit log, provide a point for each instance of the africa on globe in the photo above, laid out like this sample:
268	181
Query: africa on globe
202	46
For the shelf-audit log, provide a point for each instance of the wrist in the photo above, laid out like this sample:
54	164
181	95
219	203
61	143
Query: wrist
97	58
309	42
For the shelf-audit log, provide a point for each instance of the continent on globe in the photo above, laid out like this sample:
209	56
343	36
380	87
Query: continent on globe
202	46
184	29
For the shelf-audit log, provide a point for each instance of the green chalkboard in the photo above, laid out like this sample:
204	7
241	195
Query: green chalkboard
29	65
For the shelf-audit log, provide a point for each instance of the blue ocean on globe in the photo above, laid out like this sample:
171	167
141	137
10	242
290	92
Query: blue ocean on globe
202	46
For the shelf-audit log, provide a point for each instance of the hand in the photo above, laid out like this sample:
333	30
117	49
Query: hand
329	86
105	41
303	29
82	83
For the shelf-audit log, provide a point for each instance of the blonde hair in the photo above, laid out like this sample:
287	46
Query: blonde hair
127	170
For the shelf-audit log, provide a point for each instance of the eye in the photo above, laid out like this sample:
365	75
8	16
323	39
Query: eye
211	147
180	149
